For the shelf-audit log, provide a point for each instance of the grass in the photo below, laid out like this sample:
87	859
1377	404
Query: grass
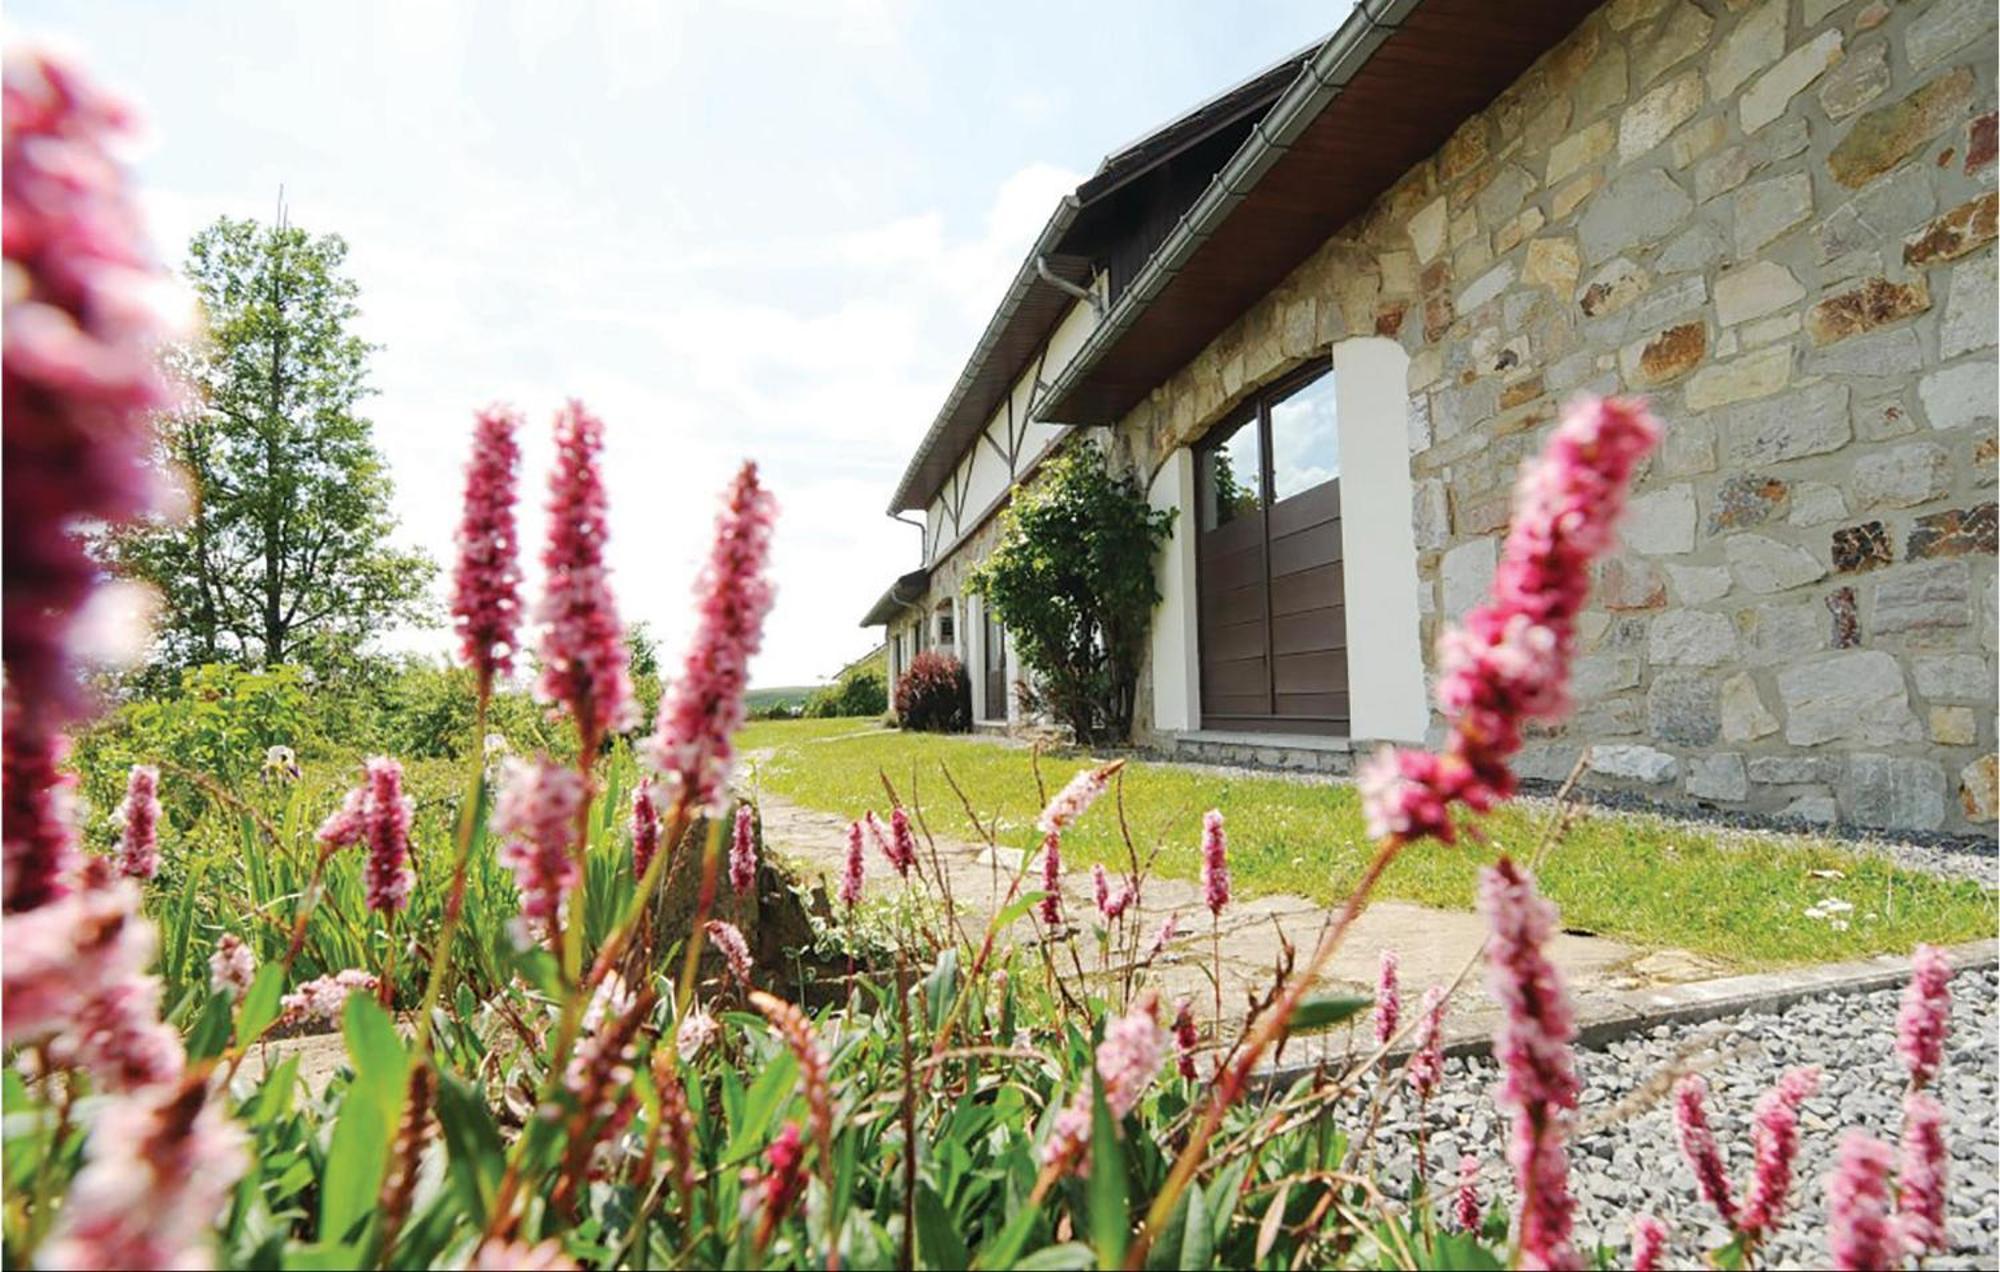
1740	899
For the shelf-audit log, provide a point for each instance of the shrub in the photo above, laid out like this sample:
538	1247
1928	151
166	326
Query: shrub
934	695
863	691
1072	578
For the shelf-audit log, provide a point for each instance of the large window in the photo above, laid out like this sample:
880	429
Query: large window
1273	617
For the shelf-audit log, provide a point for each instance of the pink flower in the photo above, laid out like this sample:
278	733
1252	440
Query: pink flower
1214	862
1926	1015
158	1169
498	1255
743	851
323	998
1465	1207
232	966
727	938
486	585
344	826
1427	1055
1507	663
535	814
1388	998
696	1030
851	878
1127	1061
609	1001
645	827
902	840
118	1037
1169	928
81	330
1187	1039
1539	1084
890	845
1101	882
771	1194
1775	1140
1920	1182
703	708
1649	1240
1052	879
65	955
1698	1145
387	874
1861	1234
36	806
1068	1135
583	646
1072	800
139	844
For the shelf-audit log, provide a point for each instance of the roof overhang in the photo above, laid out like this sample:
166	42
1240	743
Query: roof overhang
1384	92
902	594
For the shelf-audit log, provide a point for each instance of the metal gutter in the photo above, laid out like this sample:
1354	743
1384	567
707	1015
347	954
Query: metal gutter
1025	279
1345	52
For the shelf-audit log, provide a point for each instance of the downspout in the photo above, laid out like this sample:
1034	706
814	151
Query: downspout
1088	295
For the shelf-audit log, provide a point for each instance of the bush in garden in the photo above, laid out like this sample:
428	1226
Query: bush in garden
569	1088
861	692
934	696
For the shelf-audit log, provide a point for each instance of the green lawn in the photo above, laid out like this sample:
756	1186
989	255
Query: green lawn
1738	898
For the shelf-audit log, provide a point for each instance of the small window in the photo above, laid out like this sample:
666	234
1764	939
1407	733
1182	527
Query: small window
1233	477
946	636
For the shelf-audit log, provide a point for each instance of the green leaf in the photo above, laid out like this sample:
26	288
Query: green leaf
1110	1214
1322	1010
1067	1257
1022	904
358	1152
211	1029
260	1003
1196	1250
476	1155
771	1092
1459	1250
937	1236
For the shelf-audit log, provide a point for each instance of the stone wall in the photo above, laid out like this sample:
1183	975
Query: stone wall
1776	218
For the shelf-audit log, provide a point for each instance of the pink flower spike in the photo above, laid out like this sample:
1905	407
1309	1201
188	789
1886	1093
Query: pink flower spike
1539	1086
1112	902
1073	800
1465	1207
1861	1233
323	998
743	851
1649	1241
37	808
139	844
1169	928
1920	1182
583	645
118	1037
486	584
902	839
498	1255
852	877
1427	1055
728	939
703	708
1775	1142
1052	880
387	874
1925	1016
1127	1061
887	844
535	815
344	827
232	966
1388	998
1187	1038
65	955
1214	862
645	827
1698	1145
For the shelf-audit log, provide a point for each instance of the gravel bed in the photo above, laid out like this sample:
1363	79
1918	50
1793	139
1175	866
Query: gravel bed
1632	1165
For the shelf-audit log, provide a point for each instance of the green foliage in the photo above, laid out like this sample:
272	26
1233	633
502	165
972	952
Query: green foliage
284	554
862	691
934	695
1072	579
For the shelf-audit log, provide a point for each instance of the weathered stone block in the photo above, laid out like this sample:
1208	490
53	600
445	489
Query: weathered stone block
1954	726
1858	549
1792	770
1614	286
1925	597
1884	137
1875	303
1664	357
1467	571
1718	777
1979	789
1859	79
1754	375
1815	809
1634	763
1630	583
1945	27
1770	93
1756	42
1857	695
1780	633
1660	522
1649	121
1814	503
1766	210
1808	421
1505	194
1902	476
1959	397
1688	448
1596	675
1696	248
1885	353
1580	149
1766	565
1954	533
1970	309
1431	514
1953	676
1968	226
1427	230
1894	793
1744	716
1641	207
1682	35
1720	173
1691	638
1754	290
1486	287
1684	708
1746	499
1699	584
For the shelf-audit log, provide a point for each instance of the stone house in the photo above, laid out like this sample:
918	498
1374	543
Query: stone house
1326	314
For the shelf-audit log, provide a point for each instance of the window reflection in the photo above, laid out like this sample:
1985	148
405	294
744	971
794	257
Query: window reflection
1232	478
1305	440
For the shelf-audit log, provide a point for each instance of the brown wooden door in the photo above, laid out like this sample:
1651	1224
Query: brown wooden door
1273	623
995	656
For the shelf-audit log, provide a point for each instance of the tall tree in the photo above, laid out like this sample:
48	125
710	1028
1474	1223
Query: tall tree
284	555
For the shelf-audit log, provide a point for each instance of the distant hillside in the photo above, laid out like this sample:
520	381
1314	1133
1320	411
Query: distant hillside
781	696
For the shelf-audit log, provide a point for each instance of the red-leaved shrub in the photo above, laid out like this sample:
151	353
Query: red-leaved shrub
934	694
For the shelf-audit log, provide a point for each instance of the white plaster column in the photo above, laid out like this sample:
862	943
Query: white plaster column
1385	668
975	654
1176	626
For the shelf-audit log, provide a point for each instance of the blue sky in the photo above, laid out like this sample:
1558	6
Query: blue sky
767	229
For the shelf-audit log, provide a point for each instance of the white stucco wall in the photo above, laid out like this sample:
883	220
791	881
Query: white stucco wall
1176	656
1384	648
